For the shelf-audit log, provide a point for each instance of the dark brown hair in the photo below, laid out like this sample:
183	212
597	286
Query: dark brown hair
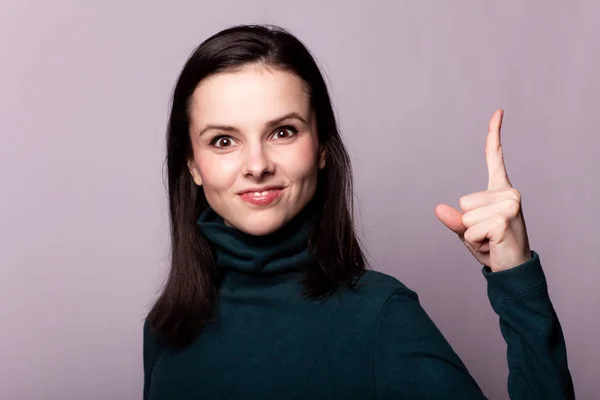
188	297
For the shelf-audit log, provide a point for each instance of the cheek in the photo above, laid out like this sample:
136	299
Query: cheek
217	172
301	163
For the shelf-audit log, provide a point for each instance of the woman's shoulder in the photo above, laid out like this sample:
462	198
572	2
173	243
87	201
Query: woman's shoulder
376	282
374	288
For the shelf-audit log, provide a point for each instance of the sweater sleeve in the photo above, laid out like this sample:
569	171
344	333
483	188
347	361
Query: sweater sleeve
151	351
536	350
412	359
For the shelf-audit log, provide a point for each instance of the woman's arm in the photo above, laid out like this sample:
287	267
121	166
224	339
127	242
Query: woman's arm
413	360
537	355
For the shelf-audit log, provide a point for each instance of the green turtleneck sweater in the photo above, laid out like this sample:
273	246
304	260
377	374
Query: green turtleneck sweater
374	343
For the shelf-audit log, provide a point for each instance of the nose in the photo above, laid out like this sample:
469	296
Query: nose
258	163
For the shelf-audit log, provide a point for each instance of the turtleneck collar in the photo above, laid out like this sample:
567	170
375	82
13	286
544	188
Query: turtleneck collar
284	250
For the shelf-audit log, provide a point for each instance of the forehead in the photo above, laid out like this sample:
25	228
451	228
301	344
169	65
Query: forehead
251	95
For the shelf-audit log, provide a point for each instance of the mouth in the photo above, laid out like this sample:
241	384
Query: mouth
263	196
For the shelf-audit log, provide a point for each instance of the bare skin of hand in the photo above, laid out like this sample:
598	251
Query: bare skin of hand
491	224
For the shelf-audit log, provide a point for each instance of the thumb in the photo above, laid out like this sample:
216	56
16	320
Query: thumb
450	217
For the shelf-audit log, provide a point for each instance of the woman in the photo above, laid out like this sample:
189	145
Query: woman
268	294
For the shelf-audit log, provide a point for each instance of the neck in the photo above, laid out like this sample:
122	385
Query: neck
282	251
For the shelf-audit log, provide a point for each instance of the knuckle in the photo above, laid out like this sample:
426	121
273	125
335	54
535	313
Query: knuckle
465	219
516	195
513	207
467	236
501	221
463	202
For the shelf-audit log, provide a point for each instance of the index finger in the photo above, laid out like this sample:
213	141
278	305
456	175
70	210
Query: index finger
497	175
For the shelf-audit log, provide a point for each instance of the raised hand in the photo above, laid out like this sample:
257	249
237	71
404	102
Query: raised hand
491	225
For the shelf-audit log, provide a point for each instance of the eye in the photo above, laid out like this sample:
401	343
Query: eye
285	132
221	141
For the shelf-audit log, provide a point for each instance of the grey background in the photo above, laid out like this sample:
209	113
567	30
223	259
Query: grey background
84	95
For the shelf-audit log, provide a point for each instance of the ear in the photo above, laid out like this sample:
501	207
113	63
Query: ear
322	157
193	168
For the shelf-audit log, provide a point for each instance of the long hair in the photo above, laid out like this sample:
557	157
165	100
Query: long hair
187	300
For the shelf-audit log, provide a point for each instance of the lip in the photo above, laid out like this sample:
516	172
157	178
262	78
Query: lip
263	189
267	195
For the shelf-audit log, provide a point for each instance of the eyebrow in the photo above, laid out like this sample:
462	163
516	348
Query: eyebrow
269	124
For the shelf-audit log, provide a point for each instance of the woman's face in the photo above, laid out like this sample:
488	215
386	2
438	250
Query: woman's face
255	147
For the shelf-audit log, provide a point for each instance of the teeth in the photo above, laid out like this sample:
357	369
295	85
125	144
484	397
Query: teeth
260	193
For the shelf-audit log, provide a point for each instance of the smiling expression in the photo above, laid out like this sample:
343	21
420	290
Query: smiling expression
255	146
